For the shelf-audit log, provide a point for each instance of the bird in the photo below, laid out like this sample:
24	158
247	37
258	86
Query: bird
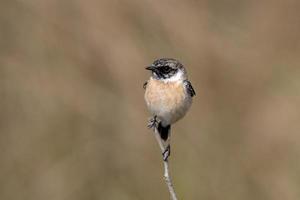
168	96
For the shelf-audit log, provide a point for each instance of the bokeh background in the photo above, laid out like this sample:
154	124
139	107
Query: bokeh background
72	113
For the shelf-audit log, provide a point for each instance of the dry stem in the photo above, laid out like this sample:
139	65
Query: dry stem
167	176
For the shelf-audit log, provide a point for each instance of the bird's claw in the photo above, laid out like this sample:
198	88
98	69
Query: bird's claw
166	153
153	123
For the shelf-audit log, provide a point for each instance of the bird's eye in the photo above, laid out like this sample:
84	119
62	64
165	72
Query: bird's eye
166	69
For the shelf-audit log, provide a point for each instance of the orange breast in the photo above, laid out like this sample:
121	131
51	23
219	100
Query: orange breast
169	101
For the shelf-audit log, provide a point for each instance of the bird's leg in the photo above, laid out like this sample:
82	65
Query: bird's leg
153	123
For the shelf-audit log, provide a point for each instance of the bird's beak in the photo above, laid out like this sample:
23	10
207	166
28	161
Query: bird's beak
151	67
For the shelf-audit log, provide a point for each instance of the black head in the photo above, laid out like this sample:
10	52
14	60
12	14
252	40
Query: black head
166	68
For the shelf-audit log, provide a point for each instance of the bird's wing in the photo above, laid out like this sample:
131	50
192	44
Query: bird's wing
189	88
145	85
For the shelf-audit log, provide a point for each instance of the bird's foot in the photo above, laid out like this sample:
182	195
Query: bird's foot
166	153
152	123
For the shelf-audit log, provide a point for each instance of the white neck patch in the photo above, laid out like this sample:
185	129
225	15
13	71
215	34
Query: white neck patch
179	76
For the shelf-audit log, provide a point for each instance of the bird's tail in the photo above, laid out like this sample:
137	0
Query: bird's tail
164	131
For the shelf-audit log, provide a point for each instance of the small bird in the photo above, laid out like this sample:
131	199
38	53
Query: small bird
168	95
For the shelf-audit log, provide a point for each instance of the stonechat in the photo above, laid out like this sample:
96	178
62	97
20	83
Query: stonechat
168	95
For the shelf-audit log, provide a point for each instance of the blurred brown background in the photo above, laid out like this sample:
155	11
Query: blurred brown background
73	119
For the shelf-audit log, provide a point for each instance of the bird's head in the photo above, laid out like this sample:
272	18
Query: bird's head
167	69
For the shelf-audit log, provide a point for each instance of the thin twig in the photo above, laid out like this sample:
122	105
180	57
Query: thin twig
167	176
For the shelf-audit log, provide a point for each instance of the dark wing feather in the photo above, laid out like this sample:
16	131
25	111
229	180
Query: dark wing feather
145	85
189	88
